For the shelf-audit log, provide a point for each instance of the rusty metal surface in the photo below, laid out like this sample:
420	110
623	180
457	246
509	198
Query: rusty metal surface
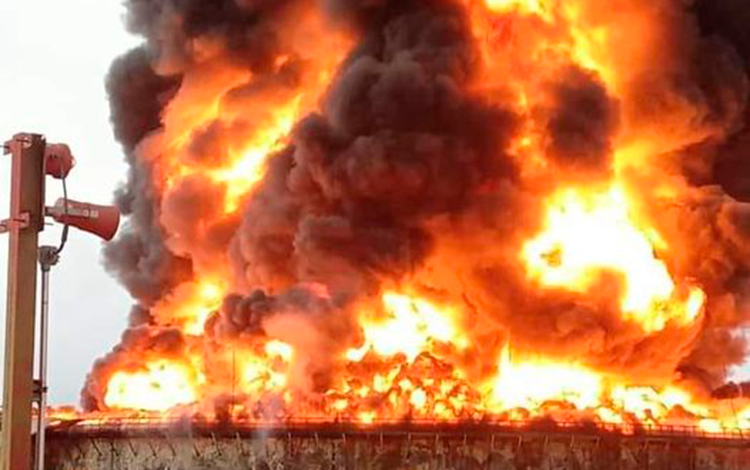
26	220
399	446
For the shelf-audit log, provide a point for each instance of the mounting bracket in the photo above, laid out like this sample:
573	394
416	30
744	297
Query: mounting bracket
20	222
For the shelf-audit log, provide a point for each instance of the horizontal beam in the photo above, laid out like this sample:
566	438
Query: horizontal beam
124	428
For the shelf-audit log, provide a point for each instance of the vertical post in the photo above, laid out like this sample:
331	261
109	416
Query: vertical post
41	426
48	257
26	220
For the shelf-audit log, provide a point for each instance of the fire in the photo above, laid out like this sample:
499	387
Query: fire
192	305
529	7
397	388
530	384
649	404
590	233
409	327
465	210
392	379
162	385
246	170
266	372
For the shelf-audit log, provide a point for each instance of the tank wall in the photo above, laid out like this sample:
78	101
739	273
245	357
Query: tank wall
373	452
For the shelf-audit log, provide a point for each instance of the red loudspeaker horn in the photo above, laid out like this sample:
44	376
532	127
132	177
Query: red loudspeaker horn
102	221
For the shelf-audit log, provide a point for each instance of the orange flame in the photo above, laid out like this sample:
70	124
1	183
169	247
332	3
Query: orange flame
418	355
160	386
587	233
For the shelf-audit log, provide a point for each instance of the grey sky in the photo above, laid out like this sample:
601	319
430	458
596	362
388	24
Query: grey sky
54	59
54	56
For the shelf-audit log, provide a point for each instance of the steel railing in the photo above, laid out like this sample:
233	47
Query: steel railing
145	424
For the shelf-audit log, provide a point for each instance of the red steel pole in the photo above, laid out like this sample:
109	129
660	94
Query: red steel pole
25	223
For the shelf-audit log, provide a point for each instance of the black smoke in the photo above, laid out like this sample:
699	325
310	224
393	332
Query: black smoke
406	169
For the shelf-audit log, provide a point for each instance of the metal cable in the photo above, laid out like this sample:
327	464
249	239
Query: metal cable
64	236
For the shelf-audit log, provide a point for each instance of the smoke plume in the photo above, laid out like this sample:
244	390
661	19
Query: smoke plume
293	161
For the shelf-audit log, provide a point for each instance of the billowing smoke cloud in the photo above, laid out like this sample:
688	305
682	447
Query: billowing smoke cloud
581	121
733	390
406	165
727	20
139	257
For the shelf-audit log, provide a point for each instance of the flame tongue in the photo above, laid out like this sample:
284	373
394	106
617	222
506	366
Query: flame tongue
349	212
589	233
411	326
161	386
529	385
383	380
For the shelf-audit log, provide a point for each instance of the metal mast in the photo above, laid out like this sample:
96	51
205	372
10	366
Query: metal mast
25	223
